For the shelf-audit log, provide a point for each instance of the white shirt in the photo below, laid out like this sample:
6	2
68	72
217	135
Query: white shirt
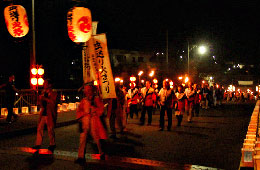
164	94
131	92
144	90
189	92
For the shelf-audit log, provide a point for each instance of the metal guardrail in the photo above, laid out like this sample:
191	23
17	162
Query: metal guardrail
28	97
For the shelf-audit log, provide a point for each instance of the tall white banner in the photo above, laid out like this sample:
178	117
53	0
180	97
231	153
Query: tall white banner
106	78
90	69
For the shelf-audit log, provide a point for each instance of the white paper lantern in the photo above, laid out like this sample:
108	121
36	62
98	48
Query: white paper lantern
79	23
16	20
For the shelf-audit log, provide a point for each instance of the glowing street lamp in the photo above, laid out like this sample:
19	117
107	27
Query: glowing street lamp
202	49
37	73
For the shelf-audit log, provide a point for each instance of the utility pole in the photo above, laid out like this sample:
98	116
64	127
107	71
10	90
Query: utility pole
33	56
188	58
167	52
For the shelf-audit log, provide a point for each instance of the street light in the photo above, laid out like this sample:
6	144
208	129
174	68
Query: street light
202	50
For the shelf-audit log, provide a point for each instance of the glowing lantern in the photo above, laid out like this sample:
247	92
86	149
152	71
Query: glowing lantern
155	81
79	23
34	81
95	83
186	79
16	20
34	71
132	78
117	79
40	71
40	81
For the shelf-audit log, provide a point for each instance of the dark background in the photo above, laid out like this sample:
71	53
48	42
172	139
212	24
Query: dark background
231	29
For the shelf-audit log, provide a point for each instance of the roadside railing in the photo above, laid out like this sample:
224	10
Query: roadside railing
28	98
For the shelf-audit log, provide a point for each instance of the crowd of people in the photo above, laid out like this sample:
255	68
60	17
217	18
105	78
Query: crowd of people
176	100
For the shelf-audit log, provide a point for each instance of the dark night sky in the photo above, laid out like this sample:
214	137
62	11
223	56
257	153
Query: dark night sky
232	28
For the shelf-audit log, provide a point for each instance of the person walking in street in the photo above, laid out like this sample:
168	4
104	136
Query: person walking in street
180	105
48	115
88	115
148	100
165	97
133	100
204	96
115	112
10	91
197	99
189	101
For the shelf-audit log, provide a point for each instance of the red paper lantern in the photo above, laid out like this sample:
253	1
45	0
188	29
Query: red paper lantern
79	23
16	20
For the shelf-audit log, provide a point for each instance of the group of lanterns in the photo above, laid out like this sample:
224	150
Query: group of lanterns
37	73
79	25
79	22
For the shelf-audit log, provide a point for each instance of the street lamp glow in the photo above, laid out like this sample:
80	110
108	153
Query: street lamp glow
202	49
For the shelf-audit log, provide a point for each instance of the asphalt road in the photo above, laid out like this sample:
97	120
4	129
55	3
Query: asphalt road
214	139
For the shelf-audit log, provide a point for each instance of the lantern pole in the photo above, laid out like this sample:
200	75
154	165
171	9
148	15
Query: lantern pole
33	58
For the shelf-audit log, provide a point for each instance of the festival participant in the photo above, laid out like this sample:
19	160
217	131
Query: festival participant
48	115
197	99
115	112
189	101
133	100
88	114
10	91
148	100
165	98
180	105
